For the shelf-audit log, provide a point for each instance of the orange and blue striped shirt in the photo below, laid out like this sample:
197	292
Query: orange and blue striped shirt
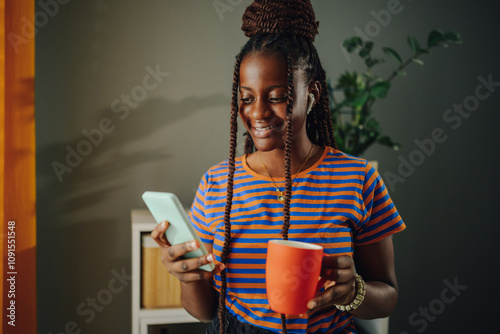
339	202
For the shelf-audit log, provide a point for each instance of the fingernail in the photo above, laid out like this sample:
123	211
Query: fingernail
192	245
162	224
311	305
210	258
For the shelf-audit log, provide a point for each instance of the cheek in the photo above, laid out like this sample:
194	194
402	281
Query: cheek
300	105
243	115
300	109
299	120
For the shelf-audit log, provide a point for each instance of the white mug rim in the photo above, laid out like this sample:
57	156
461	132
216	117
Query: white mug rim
296	244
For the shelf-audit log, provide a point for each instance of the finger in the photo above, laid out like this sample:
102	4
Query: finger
218	268
338	294
197	275
174	252
337	275
339	262
185	265
338	268
158	234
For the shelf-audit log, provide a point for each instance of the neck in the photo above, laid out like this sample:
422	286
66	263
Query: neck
274	160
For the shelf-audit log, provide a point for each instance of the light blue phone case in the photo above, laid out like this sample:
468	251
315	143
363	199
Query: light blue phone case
166	206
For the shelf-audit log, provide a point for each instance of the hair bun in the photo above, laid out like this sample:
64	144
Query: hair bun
280	16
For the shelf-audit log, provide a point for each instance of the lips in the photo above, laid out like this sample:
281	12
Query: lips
263	131
264	128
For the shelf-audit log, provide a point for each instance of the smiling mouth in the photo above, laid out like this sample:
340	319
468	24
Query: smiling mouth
265	131
264	128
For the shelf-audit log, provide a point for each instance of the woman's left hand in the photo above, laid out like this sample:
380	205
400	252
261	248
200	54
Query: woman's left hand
340	271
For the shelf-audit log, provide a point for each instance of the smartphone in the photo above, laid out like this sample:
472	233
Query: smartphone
166	206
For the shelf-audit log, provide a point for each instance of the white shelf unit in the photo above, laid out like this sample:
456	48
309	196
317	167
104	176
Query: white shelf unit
143	221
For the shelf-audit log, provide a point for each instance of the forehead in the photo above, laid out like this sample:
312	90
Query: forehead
266	67
259	66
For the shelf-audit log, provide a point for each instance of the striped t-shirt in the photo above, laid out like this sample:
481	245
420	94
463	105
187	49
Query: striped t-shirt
339	202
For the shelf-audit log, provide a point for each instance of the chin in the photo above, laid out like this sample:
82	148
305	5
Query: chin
266	147
268	143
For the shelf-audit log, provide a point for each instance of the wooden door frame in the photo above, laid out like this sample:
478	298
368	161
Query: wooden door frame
17	160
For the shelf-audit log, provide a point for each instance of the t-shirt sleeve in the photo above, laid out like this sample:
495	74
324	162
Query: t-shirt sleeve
381	218
197	212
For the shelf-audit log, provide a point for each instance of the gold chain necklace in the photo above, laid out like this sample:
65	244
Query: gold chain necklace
281	196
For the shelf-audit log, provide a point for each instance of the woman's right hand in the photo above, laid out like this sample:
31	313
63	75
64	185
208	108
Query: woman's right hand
186	270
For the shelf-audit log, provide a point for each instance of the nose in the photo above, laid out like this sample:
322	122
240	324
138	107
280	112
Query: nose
261	109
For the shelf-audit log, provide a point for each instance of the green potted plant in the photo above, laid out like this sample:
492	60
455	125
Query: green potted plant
353	95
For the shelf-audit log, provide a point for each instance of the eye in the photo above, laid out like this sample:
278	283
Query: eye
246	100
278	99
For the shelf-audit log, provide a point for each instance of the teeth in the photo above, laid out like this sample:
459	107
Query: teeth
266	128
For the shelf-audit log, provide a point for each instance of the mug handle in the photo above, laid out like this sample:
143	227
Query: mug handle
322	280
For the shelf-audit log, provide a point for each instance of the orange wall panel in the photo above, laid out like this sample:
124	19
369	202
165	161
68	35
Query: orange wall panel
18	172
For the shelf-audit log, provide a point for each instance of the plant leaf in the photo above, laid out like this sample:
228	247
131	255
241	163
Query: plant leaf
361	99
352	43
453	37
347	80
414	45
393	54
370	133
418	61
360	83
380	89
435	37
386	141
372	128
370	62
365	51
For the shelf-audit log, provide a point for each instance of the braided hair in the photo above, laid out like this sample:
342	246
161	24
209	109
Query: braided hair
286	28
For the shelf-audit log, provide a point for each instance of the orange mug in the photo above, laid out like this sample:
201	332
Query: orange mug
292	275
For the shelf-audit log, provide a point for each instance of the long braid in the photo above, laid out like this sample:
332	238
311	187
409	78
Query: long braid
249	145
327	119
288	162
288	151
229	199
312	120
320	125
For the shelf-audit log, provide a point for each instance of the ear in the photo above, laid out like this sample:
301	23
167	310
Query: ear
315	89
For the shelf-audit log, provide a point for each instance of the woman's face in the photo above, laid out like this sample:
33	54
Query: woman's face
263	100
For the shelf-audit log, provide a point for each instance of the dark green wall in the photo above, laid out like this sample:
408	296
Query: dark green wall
92	54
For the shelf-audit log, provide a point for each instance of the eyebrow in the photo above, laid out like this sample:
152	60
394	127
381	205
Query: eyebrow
270	87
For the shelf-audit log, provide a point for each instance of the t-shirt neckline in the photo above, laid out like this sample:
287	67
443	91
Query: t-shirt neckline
282	179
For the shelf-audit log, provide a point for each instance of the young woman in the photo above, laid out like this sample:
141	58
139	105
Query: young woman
292	183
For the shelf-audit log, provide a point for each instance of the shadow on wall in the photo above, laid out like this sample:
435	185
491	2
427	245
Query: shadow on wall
85	190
